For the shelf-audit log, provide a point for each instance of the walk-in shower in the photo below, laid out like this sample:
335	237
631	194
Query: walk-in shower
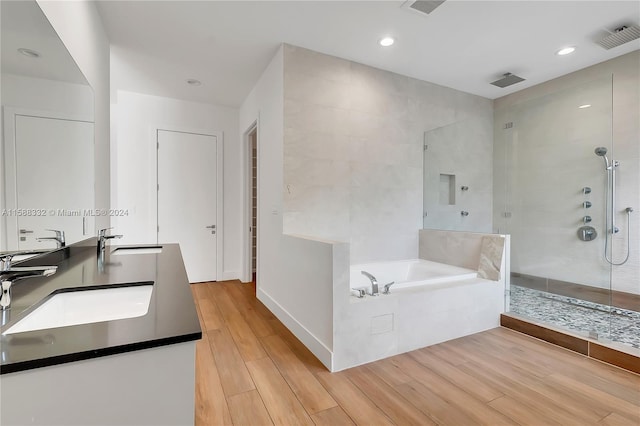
610	209
575	248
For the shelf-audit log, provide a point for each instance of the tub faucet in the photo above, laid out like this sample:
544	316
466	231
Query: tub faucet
374	283
102	239
9	275
59	238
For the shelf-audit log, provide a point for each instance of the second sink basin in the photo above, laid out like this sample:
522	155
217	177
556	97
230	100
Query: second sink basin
137	250
87	306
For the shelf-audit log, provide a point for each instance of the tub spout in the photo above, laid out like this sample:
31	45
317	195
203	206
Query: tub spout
374	283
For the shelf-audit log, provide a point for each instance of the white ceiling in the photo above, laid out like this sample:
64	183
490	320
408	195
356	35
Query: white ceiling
24	25
465	45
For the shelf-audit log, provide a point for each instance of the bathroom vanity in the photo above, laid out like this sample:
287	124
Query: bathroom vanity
123	354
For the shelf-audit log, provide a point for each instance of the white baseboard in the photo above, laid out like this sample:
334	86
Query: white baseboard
230	275
324	354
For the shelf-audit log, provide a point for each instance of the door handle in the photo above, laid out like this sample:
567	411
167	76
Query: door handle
26	231
211	227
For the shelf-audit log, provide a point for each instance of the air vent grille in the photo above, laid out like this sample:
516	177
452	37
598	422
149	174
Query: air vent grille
620	36
425	6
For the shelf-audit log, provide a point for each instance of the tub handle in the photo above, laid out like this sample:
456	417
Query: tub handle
387	287
360	292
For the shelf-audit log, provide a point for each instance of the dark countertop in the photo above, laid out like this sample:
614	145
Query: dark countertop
171	318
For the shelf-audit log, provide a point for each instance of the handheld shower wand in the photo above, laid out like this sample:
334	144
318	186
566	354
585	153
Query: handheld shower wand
610	207
601	151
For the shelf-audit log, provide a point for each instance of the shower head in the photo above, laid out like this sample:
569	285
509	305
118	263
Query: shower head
601	151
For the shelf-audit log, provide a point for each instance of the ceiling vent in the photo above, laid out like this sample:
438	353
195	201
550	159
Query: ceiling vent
620	36
423	6
507	80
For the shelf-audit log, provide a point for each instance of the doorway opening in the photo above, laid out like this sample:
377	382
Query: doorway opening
251	203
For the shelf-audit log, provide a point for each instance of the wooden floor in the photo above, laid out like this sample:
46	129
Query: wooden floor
250	370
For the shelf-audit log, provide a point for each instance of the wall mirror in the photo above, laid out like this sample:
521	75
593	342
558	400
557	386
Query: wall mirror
47	155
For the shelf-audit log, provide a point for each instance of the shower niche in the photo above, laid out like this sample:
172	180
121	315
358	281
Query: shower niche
457	184
447	189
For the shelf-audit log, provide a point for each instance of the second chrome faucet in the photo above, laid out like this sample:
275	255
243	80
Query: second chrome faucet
102	239
375	291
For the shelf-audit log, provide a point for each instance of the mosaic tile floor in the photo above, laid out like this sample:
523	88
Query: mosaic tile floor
586	318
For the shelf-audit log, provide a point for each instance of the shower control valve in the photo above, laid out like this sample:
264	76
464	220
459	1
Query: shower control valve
587	233
586	219
586	204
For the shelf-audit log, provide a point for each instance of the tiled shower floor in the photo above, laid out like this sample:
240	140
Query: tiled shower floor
590	319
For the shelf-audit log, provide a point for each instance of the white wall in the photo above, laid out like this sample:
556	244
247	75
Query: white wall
265	104
47	95
353	155
80	28
135	117
553	141
294	274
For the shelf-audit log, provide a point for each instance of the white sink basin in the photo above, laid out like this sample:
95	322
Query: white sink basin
23	257
87	306
136	250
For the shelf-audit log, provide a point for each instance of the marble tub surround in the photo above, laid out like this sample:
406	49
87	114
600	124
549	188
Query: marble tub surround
486	253
353	152
491	257
378	327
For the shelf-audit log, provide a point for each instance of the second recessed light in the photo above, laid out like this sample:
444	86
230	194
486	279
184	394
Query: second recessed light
29	53
386	41
566	50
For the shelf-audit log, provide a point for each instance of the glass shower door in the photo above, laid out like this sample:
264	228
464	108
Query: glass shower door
551	196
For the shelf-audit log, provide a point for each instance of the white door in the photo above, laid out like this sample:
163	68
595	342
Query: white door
54	180
187	196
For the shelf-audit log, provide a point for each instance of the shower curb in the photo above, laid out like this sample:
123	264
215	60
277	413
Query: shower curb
587	347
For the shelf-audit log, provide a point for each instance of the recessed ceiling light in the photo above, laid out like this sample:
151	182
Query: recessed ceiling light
29	53
585	106
386	41
565	50
194	82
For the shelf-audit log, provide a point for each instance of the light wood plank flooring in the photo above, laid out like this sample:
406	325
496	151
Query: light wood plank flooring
250	370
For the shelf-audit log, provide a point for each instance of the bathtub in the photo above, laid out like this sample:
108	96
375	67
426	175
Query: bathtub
408	274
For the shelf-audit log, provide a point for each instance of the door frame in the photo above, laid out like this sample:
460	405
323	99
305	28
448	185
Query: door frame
8	160
247	272
153	184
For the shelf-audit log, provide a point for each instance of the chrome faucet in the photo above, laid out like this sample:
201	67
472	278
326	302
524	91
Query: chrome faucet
102	239
7	258
59	238
9	275
374	283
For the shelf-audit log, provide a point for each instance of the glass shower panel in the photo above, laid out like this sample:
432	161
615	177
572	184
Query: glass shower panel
550	195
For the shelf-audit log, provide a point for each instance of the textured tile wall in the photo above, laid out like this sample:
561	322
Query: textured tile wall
353	154
546	158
